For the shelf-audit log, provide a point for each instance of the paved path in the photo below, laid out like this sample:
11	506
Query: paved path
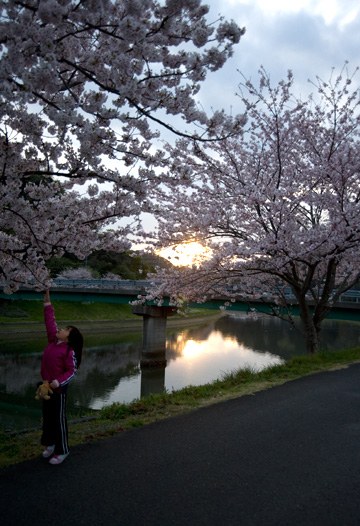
286	456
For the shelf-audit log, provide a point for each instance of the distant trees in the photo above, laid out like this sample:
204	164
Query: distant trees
102	263
81	83
126	265
278	206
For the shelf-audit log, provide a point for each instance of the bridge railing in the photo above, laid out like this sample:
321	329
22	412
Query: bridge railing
350	296
101	283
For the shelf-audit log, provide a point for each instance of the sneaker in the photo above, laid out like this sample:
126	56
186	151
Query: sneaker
57	459
48	451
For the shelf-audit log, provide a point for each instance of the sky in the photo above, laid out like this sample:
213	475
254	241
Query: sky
309	37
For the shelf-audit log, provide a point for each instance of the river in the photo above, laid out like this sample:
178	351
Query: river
110	371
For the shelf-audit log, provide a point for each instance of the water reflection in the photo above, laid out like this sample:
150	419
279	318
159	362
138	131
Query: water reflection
111	368
199	361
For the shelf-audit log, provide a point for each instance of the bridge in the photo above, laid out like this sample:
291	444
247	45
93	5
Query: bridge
127	291
154	317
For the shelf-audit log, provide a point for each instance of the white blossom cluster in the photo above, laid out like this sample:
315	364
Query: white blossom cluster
80	84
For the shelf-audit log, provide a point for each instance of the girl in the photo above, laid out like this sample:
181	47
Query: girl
60	361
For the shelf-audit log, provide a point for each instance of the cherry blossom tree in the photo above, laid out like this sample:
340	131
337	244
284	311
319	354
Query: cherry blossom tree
278	206
82	273
85	85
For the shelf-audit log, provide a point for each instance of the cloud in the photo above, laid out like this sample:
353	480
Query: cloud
310	37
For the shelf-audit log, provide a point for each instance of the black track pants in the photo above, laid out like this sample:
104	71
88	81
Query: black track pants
55	429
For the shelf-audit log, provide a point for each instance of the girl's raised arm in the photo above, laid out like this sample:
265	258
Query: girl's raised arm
47	296
50	323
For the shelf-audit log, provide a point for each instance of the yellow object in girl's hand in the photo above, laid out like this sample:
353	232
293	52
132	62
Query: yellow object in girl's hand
44	391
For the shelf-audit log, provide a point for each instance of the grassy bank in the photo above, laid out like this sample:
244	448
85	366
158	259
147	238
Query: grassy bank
30	311
118	418
23	317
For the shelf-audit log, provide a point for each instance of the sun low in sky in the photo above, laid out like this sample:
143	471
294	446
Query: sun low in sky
186	254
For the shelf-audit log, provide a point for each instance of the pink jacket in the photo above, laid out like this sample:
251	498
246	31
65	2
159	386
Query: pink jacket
58	361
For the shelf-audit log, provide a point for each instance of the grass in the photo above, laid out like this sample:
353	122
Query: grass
33	311
118	417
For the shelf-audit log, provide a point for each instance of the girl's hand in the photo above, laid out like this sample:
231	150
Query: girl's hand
47	296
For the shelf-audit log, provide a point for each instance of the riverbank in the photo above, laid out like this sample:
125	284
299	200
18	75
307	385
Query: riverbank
116	418
26	317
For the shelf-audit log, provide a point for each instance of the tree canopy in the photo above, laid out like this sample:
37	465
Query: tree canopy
84	87
278	206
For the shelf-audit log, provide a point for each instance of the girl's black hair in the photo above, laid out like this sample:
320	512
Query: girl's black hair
76	342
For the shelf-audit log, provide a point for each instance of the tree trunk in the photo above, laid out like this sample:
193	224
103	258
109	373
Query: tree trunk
310	328
311	337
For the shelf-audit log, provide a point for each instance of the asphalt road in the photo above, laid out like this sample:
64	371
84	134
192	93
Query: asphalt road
289	455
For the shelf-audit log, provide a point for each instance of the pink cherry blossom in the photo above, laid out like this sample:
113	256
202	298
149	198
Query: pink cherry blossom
279	205
85	88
